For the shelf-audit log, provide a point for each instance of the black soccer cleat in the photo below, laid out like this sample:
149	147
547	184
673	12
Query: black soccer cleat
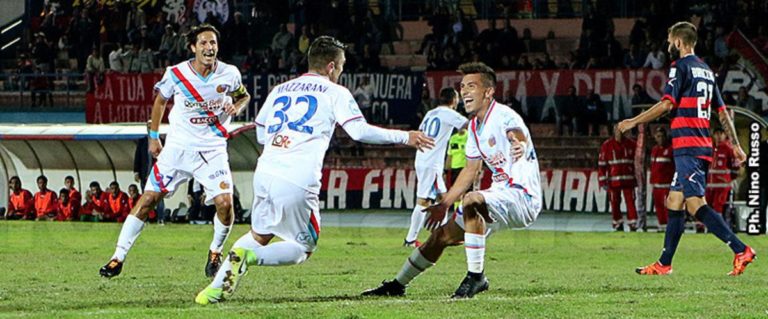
213	263
471	286
388	288
111	269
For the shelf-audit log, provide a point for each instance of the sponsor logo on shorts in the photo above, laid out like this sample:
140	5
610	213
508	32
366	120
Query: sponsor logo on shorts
224	185
281	141
218	173
222	88
202	120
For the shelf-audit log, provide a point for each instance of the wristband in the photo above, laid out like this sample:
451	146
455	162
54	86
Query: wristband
154	135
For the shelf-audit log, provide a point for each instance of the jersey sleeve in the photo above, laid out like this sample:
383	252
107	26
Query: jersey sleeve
471	149
166	86
236	80
673	88
345	108
457	120
717	101
261	119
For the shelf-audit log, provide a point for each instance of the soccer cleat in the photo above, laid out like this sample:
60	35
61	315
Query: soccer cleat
238	258
413	244
209	295
213	263
111	269
391	288
471	286
654	269
741	260
618	227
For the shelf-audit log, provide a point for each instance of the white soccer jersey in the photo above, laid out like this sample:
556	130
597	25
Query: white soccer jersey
438	124
297	119
488	140
197	119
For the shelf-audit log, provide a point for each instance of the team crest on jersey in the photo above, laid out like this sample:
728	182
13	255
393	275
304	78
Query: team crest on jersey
492	141
222	88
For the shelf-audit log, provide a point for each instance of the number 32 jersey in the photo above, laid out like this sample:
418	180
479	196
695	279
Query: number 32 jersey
299	117
692	90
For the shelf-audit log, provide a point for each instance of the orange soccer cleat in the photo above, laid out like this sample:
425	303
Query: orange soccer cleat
741	260
654	269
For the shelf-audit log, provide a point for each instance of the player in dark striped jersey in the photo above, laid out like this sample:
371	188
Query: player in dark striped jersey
690	95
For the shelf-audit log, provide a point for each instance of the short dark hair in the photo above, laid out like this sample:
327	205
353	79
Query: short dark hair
486	72
718	130
94	184
685	31
69	177
661	130
16	178
45	179
324	50
447	95
64	191
114	183
196	30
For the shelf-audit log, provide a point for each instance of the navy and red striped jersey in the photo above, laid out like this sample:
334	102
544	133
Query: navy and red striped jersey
694	93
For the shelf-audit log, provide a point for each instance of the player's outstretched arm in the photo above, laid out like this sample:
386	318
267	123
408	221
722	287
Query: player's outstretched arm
436	212
727	122
361	131
157	115
648	115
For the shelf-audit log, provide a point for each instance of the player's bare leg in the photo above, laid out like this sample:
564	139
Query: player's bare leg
222	225
449	234
475	217
130	231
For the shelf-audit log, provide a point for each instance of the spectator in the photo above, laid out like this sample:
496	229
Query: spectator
133	64
515	104
633	58
568	109
40	89
639	97
167	42
146	59
97	204
281	42
64	211
118	204
43	54
721	46
304	40
74	195
20	202
616	175
116	63
363	94
656	58
94	69
595	114
743	99
46	202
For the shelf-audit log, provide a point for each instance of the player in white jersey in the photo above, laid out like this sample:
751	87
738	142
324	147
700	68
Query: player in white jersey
295	125
499	138
439	124
206	93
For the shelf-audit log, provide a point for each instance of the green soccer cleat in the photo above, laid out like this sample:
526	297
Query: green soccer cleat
209	295
239	258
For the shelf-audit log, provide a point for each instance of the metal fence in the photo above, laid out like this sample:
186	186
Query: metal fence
44	90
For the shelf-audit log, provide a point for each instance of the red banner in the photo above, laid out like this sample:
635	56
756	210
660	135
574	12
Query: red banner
537	90
122	98
363	188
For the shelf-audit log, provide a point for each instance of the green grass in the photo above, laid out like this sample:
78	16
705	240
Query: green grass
50	270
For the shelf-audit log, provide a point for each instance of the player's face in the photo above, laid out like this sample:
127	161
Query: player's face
14	184
206	48
68	183
672	49
41	184
719	137
114	189
337	67
659	138
474	93
133	191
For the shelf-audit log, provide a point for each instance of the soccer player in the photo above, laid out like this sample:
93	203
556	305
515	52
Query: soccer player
691	94
75	198
46	201
118	203
206	94
662	170
438	124
497	136
21	204
295	125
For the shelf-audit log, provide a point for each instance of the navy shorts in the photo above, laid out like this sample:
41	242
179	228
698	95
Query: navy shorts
690	176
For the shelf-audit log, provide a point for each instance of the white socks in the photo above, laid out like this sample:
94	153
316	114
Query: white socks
417	221
413	266
474	245
131	229
220	234
282	253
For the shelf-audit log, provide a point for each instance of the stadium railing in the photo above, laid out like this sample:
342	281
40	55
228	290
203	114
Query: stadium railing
54	90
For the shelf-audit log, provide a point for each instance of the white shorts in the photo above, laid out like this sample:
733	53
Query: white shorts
429	182
175	166
509	207
286	211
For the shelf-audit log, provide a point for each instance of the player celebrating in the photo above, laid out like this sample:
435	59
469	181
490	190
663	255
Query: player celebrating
438	124
297	122
690	94
206	94
498	136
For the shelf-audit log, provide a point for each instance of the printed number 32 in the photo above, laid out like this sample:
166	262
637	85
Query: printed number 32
297	125
704	100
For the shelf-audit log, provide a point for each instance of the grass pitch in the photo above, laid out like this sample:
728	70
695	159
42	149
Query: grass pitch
51	270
